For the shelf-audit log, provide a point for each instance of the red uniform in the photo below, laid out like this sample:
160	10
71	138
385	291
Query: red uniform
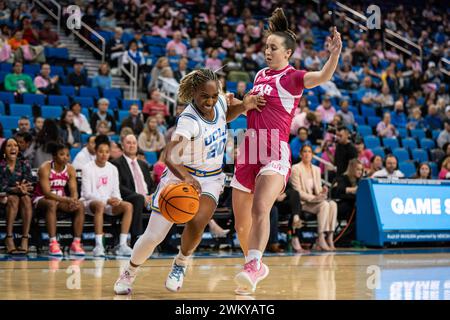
58	181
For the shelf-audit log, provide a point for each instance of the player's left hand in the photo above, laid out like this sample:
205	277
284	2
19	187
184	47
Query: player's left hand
254	102
334	43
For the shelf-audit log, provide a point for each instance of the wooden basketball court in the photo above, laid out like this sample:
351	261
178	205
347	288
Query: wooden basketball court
376	274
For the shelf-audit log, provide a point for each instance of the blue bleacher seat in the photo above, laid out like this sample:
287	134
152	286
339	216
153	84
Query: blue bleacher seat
123	114
435	134
391	143
85	111
373	121
31	98
112	93
401	153
402	132
6	67
85	102
353	110
2	108
67	90
127	103
367	111
7	134
360	120
364	130
409	143
419	155
58	100
151	157
418	133
371	142
113	104
231	86
57	71
21	110
9	122
73	152
115	138
7	97
427	144
379	151
89	92
84	138
33	69
57	53
239	123
408	168
434	169
51	112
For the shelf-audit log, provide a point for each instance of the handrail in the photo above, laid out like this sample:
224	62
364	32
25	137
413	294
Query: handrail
50	12
132	75
356	13
443	69
325	162
170	99
101	52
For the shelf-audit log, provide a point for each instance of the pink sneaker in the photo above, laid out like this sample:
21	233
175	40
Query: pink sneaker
124	285
248	278
54	249
76	249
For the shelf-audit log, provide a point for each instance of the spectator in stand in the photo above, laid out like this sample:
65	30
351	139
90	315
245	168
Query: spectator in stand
103	79
391	169
376	164
103	115
213	62
348	119
48	135
116	47
16	181
306	180
19	82
326	110
78	77
46	84
444	136
298	142
248	62
364	155
154	105
24	140
86	155
316	133
162	125
444	174
50	197
133	54
79	120
108	21
48	37
30	34
101	194
345	150
136	185
348	77
182	70
38	124
134	121
5	11
68	132
366	94
177	44
423	172
23	125
433	120
241	90
160	29
170	85
385	99
6	54
415	121
179	109
385	127
103	127
161	63
151	139
195	53
398	117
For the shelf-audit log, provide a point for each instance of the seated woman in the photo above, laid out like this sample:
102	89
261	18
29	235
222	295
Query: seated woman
103	79
423	171
376	164
68	132
50	197
151	139
444	174
306	180
16	182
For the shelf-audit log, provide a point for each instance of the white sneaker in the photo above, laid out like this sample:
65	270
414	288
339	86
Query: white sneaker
175	278
99	251
123	250
124	284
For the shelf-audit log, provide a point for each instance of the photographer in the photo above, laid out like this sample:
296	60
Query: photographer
345	150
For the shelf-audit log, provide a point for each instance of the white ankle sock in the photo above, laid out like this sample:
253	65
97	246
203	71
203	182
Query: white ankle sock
254	254
52	239
76	239
99	240
123	239
181	259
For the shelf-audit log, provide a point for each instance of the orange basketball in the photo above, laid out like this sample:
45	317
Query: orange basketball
179	202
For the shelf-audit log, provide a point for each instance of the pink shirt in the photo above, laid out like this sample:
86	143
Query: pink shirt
365	157
40	82
213	64
298	122
327	114
179	47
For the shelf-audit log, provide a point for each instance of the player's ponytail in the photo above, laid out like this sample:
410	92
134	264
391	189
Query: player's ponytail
192	82
279	25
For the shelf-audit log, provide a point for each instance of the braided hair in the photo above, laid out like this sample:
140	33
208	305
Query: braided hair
279	26
192	82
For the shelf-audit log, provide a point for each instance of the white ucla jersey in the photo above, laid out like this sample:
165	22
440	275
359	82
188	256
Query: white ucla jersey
205	152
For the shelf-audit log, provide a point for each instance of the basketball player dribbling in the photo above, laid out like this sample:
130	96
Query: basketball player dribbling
257	184
195	156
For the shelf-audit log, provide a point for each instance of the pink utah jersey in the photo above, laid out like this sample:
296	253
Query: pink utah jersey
58	181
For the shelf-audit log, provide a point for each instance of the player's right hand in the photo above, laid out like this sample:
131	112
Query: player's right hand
194	182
